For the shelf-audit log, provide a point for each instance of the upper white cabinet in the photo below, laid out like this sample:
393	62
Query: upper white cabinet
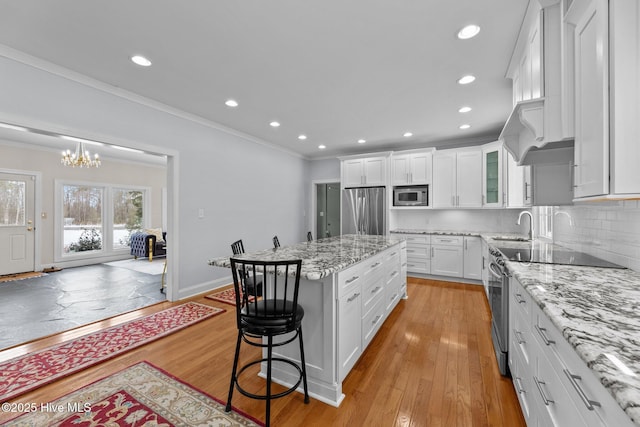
411	168
604	45
538	93
492	185
519	190
457	178
364	172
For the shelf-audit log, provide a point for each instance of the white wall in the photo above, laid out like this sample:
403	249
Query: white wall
608	230
247	190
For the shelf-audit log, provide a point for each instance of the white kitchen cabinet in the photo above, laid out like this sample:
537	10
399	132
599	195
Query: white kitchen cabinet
472	262
364	172
485	266
606	66
528	78
554	386
519	190
492	180
411	169
447	256
418	253
349	317
457	178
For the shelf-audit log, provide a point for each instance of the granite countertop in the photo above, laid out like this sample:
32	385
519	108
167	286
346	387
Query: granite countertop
323	257
598	312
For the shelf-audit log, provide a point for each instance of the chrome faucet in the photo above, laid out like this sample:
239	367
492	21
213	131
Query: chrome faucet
530	222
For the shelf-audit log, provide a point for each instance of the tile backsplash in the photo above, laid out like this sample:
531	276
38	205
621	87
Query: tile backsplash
608	230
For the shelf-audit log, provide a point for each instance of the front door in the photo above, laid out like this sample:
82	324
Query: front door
17	229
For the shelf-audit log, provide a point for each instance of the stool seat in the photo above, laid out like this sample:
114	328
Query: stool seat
271	323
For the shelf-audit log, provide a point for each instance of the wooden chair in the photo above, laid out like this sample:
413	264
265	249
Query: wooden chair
276	313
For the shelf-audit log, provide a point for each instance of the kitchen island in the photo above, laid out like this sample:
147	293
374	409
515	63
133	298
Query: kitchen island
349	284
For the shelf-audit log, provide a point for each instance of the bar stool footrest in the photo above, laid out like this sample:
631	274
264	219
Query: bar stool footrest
264	396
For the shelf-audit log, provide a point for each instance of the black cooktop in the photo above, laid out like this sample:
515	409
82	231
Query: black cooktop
562	256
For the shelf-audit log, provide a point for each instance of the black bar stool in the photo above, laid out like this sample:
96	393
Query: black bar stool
275	314
276	242
250	282
309	237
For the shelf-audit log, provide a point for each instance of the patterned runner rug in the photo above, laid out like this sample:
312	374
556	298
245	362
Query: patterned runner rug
24	373
228	296
139	395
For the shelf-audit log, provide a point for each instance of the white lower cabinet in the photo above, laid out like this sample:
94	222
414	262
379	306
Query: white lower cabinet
418	253
447	256
554	386
366	294
472	258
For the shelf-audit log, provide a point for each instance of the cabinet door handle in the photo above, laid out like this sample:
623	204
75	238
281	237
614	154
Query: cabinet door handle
526	191
356	295
375	265
539	384
519	299
519	338
457	200
351	280
465	245
377	288
572	379
374	321
519	387
542	333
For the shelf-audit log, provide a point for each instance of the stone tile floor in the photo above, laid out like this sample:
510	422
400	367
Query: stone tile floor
37	307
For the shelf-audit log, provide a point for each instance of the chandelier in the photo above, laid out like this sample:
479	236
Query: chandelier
80	158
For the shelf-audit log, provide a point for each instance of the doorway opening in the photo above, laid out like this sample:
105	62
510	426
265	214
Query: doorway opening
327	212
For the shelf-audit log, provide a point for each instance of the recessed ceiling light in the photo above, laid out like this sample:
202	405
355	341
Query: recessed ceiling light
302	137
141	60
465	126
468	32
407	134
12	127
464	80
464	110
361	141
274	124
322	147
231	103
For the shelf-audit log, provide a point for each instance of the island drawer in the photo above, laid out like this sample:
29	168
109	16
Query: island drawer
372	291
371	322
418	239
350	278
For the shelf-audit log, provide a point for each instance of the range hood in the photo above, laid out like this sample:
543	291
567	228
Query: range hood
533	133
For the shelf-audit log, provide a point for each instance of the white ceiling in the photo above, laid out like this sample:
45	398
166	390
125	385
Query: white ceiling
334	70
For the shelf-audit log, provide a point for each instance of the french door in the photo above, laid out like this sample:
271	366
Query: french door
17	228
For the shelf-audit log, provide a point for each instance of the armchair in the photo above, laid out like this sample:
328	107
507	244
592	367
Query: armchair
147	245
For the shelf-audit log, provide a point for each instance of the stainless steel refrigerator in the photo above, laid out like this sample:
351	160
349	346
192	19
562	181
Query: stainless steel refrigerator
364	211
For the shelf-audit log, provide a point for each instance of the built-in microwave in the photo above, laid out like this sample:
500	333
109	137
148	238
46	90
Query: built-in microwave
411	196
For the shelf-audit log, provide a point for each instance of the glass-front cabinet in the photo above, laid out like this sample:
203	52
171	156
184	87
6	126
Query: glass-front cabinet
492	193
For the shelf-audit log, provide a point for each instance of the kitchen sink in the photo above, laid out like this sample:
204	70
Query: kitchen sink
511	239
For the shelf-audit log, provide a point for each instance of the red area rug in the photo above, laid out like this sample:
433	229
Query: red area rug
228	296
32	370
139	395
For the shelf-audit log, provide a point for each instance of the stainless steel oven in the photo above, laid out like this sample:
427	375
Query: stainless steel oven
499	302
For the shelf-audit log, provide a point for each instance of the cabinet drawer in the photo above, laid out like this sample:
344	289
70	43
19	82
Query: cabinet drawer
520	298
447	240
417	265
419	251
371	293
371	322
520	337
523	384
349	279
418	239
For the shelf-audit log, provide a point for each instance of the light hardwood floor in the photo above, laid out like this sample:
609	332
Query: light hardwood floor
431	364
